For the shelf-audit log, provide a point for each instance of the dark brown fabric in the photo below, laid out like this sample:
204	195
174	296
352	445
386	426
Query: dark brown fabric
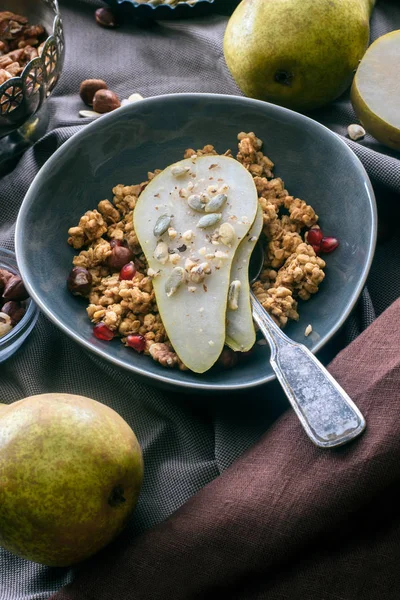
287	519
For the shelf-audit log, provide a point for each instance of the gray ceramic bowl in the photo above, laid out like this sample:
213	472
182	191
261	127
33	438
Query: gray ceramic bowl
121	147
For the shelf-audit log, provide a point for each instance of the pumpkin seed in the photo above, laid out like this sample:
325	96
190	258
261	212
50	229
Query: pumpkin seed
195	203
161	253
227	234
233	294
216	203
162	224
209	220
175	279
89	114
179	170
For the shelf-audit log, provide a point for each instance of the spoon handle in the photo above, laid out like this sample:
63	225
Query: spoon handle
329	417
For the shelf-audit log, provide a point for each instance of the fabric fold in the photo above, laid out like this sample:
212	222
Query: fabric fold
284	504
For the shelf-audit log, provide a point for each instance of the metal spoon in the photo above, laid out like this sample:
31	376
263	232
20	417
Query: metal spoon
329	417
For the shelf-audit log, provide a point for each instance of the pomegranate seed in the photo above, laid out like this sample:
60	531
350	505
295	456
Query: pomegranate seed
102	332
137	342
314	236
114	243
317	249
128	271
328	244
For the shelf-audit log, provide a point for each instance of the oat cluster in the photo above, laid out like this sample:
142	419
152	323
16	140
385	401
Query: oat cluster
291	270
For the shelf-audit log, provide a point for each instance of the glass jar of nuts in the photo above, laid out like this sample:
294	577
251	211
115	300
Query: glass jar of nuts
18	312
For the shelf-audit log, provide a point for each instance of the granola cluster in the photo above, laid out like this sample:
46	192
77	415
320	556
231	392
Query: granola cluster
20	42
128	307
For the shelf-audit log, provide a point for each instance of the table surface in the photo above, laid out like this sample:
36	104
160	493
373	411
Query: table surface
187	440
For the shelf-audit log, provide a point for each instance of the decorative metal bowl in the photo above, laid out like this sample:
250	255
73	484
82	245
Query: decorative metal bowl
22	96
156	9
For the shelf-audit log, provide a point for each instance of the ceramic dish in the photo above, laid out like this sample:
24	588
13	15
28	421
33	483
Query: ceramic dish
121	147
18	334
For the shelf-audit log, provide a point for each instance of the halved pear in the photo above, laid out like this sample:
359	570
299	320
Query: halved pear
189	221
240	332
375	93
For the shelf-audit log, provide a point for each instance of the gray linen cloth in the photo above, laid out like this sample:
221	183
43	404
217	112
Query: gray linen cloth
187	440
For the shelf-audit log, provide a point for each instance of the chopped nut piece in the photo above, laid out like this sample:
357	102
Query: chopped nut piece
308	330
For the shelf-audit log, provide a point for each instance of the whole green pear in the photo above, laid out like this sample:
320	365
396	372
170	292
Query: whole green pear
297	53
70	475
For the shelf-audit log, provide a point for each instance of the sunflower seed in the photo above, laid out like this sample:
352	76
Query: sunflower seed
162	224
187	235
209	220
172	233
226	234
161	252
216	203
233	294
198	273
195	203
179	170
175	279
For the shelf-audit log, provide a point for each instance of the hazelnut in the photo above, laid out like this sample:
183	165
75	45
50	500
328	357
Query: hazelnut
106	18
119	257
79	281
105	101
88	89
4	277
14	310
14	289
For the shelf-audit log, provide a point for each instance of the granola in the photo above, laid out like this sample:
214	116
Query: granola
127	308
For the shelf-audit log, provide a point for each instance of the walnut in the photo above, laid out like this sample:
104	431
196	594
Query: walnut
95	255
91	226
108	211
164	354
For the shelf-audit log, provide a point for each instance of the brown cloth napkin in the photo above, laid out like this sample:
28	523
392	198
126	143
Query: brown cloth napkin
287	519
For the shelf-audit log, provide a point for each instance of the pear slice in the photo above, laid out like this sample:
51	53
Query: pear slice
375	90
189	221
240	333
